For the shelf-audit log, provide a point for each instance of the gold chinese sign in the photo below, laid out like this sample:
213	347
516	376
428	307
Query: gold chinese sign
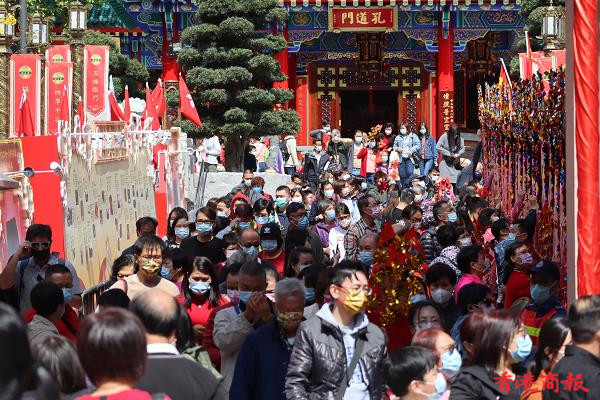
356	19
447	109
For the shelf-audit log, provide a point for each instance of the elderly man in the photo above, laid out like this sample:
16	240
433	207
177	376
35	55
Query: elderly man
367	244
167	371
262	363
250	242
369	212
234	324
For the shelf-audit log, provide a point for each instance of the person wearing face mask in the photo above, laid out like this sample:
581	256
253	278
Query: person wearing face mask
30	261
181	230
245	185
271	244
326	222
233	324
357	146
411	373
366	245
200	294
428	151
470	262
175	214
264	213
258	370
504	238
173	265
423	314
368	159
298	218
257	190
299	259
385	140
67	325
149	257
447	237
440	279
516	273
581	356
408	147
337	233
326	192
503	342
370	212
340	149
315	163
318	367
554	337
452	146
206	243
474	298
441	211
444	348
381	188
545	286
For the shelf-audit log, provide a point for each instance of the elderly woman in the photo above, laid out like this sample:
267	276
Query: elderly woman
452	146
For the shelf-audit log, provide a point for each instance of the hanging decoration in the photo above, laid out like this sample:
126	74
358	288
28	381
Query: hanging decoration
524	146
396	274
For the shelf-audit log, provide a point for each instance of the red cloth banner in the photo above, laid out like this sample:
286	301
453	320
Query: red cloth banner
302	109
59	53
95	75
352	19
447	106
58	76
585	60
25	73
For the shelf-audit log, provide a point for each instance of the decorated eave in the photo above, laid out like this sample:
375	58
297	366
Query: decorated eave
426	5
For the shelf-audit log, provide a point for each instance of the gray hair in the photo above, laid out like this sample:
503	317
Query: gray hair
289	287
407	196
418	189
369	235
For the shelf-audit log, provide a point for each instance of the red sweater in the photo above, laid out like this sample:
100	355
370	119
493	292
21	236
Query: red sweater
207	337
516	287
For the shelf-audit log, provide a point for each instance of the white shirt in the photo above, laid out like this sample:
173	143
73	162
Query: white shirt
213	150
336	241
161	348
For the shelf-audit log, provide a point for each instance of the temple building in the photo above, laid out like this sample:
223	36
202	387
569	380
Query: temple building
356	63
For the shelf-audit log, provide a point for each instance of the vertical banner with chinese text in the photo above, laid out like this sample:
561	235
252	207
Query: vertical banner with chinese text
25	73
59	53
59	83
95	83
447	110
302	109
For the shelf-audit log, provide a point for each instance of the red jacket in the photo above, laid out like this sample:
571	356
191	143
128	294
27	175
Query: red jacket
362	156
67	326
207	337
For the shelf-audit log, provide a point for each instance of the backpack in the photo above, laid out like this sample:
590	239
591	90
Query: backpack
284	150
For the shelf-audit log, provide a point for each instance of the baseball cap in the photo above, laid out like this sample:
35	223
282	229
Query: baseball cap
546	267
270	229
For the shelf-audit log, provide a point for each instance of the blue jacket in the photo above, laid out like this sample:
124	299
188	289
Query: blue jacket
261	365
431	152
411	140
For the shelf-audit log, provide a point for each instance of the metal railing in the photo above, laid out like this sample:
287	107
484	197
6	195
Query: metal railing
90	297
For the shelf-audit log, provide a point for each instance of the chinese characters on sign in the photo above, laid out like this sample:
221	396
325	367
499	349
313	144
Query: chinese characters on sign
96	82
570	383
58	94
25	75
362	19
447	110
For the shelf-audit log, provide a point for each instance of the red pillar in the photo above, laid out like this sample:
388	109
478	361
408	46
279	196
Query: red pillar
445	79
283	58
170	68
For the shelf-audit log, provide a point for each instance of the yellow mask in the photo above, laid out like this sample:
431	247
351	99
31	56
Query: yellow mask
355	301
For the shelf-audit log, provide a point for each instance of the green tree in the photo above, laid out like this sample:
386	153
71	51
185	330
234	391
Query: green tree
533	11
125	71
230	71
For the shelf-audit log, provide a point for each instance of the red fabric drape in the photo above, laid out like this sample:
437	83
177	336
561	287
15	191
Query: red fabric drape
585	63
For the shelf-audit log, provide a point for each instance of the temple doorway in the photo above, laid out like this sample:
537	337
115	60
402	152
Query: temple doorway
356	113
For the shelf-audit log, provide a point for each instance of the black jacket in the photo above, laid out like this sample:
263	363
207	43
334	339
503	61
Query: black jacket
584	367
430	245
318	362
474	383
313	168
342	151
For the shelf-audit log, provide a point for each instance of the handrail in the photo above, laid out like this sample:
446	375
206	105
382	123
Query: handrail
90	296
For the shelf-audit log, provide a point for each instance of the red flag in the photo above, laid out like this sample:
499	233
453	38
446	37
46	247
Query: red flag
80	114
158	98
25	122
64	110
505	78
528	68
116	114
127	112
150	111
186	103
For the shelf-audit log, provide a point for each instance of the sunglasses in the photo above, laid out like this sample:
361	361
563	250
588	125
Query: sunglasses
38	246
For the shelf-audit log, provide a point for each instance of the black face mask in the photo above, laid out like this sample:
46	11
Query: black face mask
40	254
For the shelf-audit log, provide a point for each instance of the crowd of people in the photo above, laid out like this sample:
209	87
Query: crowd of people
259	295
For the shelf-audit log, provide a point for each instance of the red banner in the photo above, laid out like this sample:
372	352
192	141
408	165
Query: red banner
59	53
447	108
25	74
58	76
302	109
95	75
352	19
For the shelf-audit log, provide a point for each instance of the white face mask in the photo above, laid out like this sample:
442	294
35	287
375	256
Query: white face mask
441	296
344	223
358	139
423	131
403	131
388	131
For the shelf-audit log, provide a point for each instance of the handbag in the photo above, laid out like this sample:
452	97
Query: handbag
360	344
416	156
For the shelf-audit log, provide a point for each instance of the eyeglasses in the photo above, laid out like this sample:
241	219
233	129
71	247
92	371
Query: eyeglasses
204	221
42	245
357	288
155	258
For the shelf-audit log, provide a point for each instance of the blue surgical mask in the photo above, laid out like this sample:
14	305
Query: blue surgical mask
310	295
166	273
330	214
417	298
540	294
182	232
262	220
302	223
511	237
524	345
68	294
452	217
200	287
451	362
244	225
244	296
204	228
365	257
271	218
247	182
257	189
251	251
363	185
440	387
281	202
269	244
